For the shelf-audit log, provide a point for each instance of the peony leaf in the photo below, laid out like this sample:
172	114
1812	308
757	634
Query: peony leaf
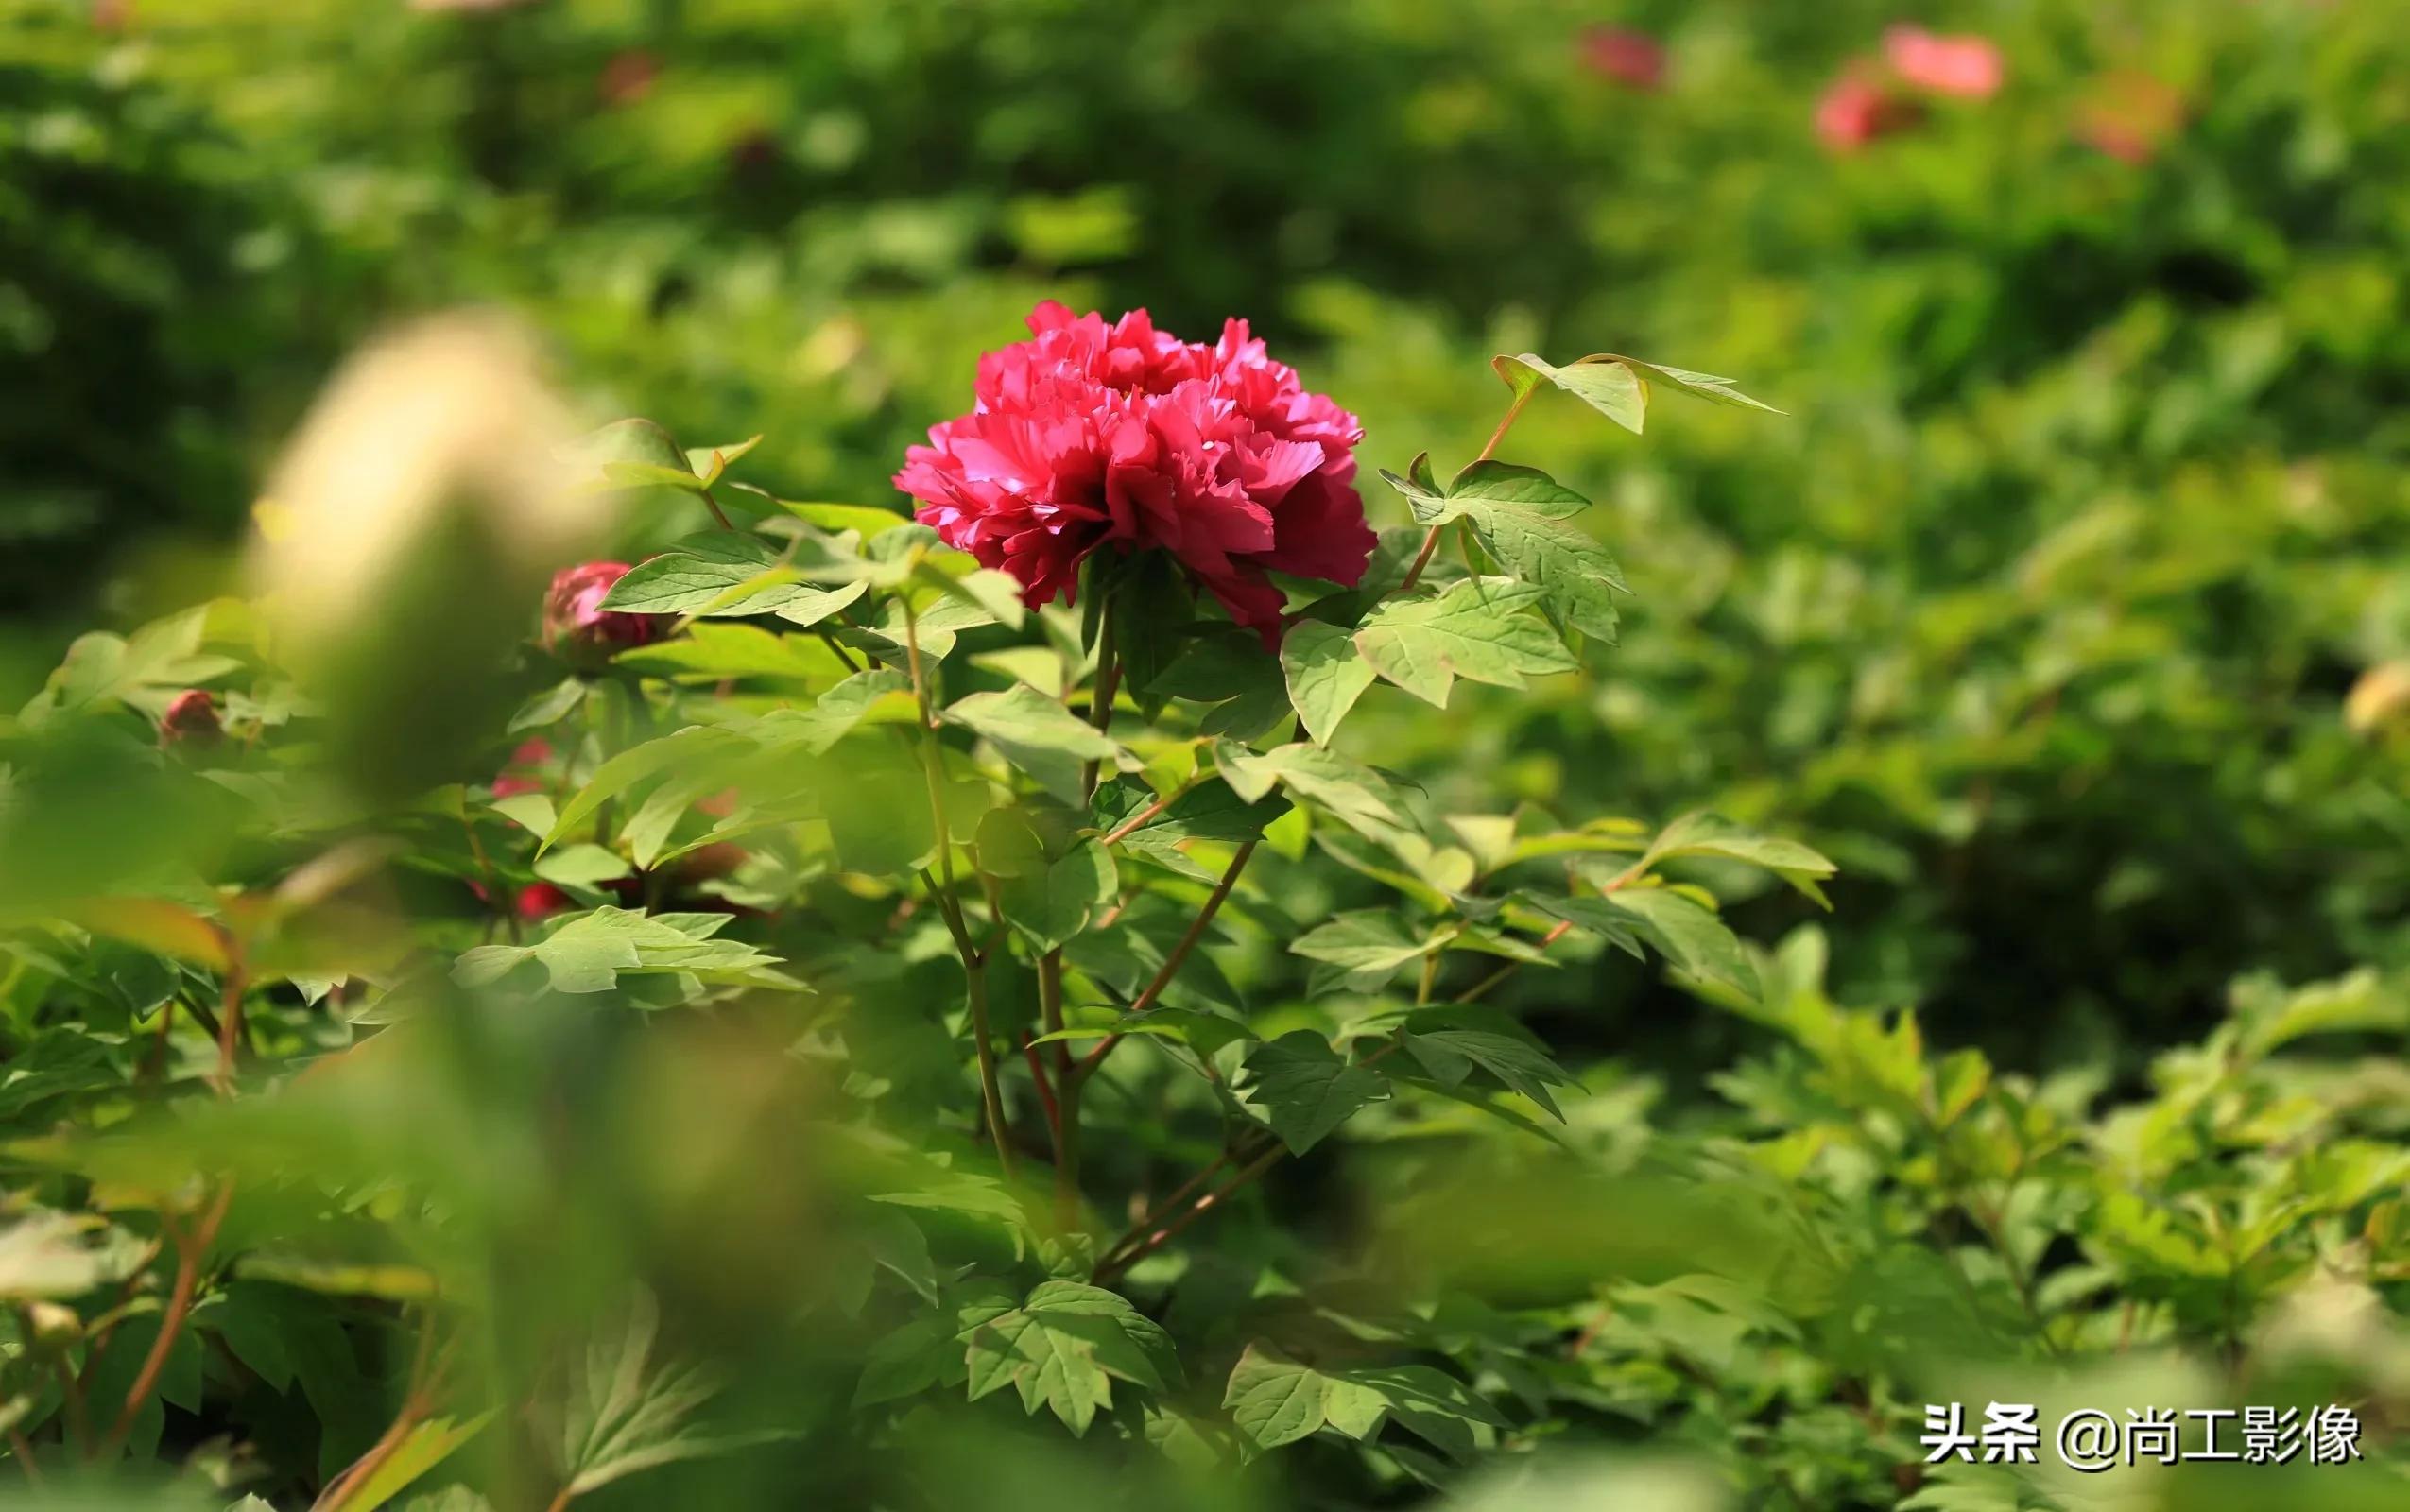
1306	1089
1325	674
1474	629
1037	735
1617	387
1523	519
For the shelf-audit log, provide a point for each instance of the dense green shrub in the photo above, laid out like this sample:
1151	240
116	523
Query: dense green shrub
2037	614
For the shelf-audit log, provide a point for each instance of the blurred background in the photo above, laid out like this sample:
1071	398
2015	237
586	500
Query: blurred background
2038	613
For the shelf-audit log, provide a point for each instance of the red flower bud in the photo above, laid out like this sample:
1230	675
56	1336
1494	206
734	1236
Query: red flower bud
1630	58
191	719
576	624
542	900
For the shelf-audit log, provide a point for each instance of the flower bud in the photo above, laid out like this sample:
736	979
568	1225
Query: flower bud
53	1328
542	900
191	719
578	628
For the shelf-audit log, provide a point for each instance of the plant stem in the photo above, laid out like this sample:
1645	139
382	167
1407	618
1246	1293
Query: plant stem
1179	953
1431	542
717	514
229	1027
1066	1093
190	1251
1119	832
22	1448
1161	1210
1196	1210
1100	692
975	962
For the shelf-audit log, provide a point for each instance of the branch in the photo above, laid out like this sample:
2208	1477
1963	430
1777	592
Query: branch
1179	955
1115	1268
190	1251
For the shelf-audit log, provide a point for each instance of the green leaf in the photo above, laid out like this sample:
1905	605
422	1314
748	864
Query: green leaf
428	1444
869	522
1449	1055
1064	1348
634	442
1275	1400
726	575
1617	387
589	951
1051	879
709	462
1037	735
712	651
1690	937
1708	834
1367	946
580	865
1354	793
880	694
1306	1089
1325	676
1231	671
681	748
1522	518
1475	629
624	1411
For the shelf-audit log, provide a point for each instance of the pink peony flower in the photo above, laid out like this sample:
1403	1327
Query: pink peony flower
628	78
1627	57
577	625
191	719
1857	108
520	775
541	899
2131	116
1088	435
1967	66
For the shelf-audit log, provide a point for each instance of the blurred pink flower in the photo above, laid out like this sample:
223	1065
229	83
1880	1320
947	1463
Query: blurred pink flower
576	623
1967	66
520	776
1088	435
541	899
191	719
1627	57
1857	108
628	78
2131	116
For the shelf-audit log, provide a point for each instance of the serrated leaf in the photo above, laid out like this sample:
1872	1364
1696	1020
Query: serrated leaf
1306	1089
1617	387
1275	1400
589	952
1709	834
728	574
1347	791
685	747
1325	676
1064	1348
1690	937
1450	1054
1475	628
622	1411
1037	735
1367	946
1522	518
1050	879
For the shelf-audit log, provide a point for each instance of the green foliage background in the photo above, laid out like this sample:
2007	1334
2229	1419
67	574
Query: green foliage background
2037	614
